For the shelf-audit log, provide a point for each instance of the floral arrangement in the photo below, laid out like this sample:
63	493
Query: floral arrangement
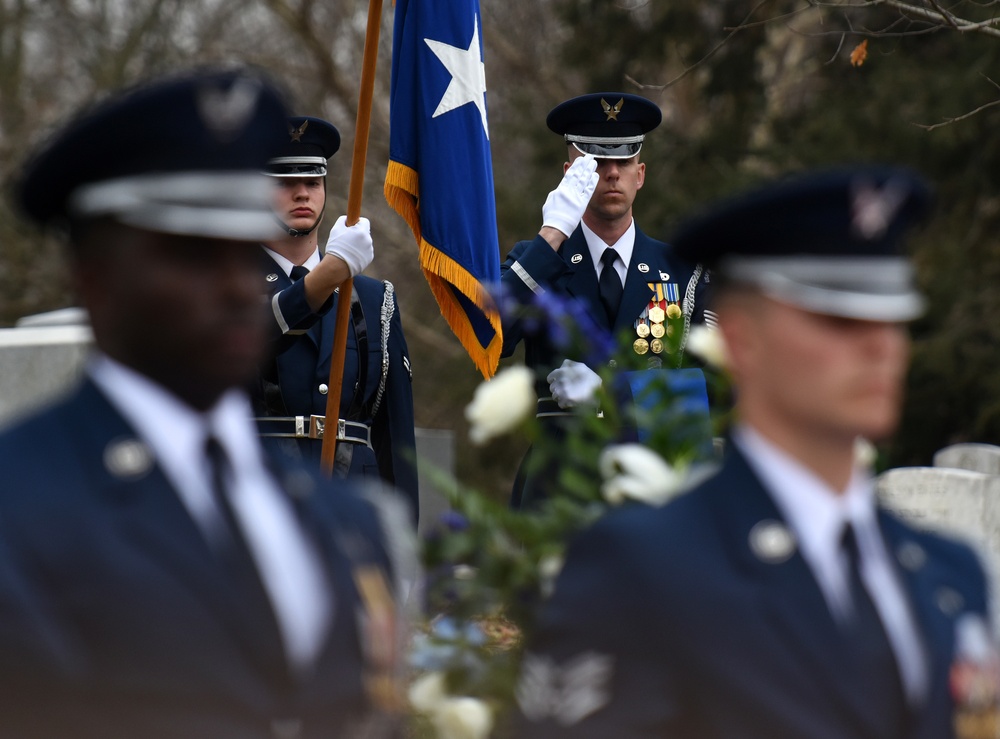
488	566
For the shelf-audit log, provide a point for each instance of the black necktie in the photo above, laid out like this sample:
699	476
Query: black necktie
877	672
298	272
231	545
610	284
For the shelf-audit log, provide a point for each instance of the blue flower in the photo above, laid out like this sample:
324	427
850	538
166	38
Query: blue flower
454	520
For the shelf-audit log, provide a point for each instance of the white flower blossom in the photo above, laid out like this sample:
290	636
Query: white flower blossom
865	453
453	717
636	472
427	692
463	718
500	404
708	345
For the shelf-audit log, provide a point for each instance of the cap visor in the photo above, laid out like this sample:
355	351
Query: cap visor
608	151
225	205
878	289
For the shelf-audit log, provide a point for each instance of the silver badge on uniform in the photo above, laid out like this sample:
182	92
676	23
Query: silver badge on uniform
664	276
911	556
128	459
576	258
272	277
643	267
950	601
772	542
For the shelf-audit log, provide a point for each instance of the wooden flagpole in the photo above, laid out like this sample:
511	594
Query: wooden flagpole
354	196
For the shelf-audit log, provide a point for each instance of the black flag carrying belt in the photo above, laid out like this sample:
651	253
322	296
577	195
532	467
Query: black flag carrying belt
312	427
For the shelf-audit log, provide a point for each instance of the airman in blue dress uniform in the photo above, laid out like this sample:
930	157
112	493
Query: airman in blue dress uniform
375	430
590	249
163	575
776	599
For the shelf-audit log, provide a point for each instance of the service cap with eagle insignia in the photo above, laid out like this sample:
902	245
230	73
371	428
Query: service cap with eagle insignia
828	241
308	146
180	155
609	125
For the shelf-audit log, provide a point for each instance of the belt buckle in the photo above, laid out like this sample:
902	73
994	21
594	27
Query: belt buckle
316	426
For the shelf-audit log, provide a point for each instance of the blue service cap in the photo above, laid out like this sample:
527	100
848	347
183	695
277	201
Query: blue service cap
181	155
827	241
609	125
309	144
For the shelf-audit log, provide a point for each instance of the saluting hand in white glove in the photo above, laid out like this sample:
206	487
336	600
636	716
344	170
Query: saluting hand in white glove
564	207
353	244
573	384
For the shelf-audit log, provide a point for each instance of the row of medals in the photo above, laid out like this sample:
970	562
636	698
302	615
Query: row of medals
654	328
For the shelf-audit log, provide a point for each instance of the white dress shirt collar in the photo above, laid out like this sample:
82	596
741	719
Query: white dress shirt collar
286	265
624	246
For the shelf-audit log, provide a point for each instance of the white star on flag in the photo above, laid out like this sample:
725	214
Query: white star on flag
468	76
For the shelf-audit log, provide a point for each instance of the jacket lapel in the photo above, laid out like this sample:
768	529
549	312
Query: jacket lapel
790	595
338	663
149	517
582	280
937	627
637	292
277	281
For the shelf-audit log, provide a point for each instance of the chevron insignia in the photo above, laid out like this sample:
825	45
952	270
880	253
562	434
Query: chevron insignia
566	693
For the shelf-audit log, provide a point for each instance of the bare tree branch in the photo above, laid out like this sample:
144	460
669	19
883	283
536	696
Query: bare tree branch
706	57
949	121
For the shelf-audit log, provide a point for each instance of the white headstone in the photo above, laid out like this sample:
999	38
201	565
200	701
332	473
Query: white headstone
958	503
36	364
44	355
983	458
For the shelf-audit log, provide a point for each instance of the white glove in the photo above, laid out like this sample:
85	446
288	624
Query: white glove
573	383
353	244
565	205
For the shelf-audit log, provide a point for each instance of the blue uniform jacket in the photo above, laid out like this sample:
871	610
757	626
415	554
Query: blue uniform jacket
300	371
135	630
570	272
532	266
708	641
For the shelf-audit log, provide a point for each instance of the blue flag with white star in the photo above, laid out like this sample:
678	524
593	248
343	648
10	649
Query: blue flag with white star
440	176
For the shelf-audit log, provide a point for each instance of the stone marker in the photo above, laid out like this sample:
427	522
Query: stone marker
955	502
38	363
44	354
983	458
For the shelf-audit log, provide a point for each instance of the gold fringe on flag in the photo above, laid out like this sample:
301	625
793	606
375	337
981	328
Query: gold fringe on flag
402	191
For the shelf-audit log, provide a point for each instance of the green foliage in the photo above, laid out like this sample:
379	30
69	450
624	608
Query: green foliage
488	564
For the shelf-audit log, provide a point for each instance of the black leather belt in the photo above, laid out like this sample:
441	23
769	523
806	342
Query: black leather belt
312	427
549	408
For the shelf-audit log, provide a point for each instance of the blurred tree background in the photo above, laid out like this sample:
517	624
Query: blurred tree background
748	89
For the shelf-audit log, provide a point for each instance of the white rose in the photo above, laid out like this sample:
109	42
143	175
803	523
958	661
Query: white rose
463	718
500	404
708	345
636	472
427	692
